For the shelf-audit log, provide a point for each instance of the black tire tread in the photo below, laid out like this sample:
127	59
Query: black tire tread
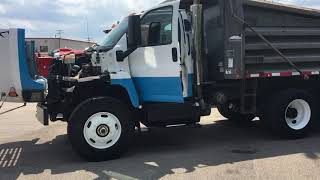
273	113
83	112
234	116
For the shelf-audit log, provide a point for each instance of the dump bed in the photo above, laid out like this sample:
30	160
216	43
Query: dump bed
233	51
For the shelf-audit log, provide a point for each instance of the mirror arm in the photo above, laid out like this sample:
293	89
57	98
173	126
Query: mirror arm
126	53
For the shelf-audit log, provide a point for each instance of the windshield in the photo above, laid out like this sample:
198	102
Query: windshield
115	35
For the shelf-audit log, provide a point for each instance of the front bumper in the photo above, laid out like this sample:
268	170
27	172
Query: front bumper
42	114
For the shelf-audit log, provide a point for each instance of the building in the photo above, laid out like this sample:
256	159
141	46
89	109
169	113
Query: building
46	45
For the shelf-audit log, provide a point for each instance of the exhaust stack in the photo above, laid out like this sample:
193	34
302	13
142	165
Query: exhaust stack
197	20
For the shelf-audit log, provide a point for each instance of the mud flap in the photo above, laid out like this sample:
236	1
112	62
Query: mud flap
42	115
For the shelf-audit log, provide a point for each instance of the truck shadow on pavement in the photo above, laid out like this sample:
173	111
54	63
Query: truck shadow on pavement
155	154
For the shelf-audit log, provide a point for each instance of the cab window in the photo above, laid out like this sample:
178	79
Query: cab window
156	27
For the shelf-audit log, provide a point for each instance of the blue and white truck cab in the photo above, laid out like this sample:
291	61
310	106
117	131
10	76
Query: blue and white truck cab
170	65
143	72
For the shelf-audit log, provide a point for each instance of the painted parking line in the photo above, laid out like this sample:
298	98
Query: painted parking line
9	157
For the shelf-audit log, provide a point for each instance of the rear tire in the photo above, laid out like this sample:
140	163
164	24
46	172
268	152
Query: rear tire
234	116
225	111
100	128
237	117
289	113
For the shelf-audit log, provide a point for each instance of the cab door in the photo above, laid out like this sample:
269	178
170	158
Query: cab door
155	65
185	41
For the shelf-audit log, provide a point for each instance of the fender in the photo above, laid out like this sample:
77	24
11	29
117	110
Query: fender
124	80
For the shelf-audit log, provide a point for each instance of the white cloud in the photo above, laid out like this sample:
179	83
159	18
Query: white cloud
85	7
2	9
306	3
13	23
44	17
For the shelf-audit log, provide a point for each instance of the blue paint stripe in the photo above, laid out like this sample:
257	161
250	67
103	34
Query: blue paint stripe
190	85
155	89
159	89
129	86
27	83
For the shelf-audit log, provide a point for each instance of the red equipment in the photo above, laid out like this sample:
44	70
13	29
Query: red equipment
43	64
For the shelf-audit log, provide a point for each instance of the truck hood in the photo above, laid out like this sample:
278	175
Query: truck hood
16	81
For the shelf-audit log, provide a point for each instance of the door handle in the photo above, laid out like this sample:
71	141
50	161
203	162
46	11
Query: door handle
175	54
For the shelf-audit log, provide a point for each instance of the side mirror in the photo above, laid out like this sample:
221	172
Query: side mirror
154	33
120	56
134	32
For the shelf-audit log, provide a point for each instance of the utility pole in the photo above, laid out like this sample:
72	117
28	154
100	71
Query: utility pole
87	23
59	33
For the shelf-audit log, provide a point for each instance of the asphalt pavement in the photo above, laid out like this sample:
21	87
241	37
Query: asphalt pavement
219	149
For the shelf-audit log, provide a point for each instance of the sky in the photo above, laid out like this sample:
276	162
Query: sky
42	18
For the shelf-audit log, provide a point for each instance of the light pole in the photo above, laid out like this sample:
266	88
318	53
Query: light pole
59	32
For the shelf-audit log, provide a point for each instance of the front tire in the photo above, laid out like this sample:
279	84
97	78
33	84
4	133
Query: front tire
100	128
289	114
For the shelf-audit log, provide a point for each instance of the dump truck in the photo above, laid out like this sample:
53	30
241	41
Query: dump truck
171	65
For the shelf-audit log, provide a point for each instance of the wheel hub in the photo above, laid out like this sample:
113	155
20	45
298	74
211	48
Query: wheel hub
298	114
292	113
103	130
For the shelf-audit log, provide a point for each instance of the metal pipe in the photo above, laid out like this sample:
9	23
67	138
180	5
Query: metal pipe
197	19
